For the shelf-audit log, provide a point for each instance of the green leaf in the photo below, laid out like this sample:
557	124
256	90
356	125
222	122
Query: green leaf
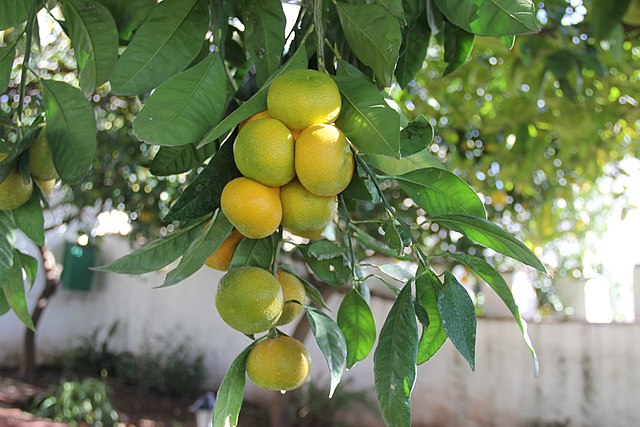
491	17
412	10
204	245
155	255
254	253
202	196
166	42
324	250
416	137
94	37
435	18
368	242
415	42
490	235
334	271
264	22
7	55
30	220
231	392
14	291
604	15
7	243
458	45
182	109
30	267
9	163
312	292
394	361
394	167
71	129
331	342
14	12
180	159
374	36
440	192
434	335
366	118
128	14
4	305
358	326
258	102
394	7
458	316
498	284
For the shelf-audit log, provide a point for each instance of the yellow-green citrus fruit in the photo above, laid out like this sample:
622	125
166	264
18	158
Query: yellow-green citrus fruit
281	363
40	161
249	299
14	191
303	211
221	258
292	290
46	186
300	98
253	208
263	151
261	115
324	162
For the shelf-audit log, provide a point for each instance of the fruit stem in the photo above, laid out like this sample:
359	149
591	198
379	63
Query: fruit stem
317	19
27	56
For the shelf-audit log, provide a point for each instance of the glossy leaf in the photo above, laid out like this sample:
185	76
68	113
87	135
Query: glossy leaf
394	361
155	255
498	284
441	192
182	109
416	137
458	316
14	12
435	19
7	55
167	42
393	166
257	103
202	246
94	37
30	267
374	36
413	51
30	220
331	342
366	119
264	22
434	336
394	7
334	271
180	159
254	253
4	305
202	196
324	250
230	395
10	162
15	293
128	14
491	17
458	45
358	326
492	236
7	243
71	129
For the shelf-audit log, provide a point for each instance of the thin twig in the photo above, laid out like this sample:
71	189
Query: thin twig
27	57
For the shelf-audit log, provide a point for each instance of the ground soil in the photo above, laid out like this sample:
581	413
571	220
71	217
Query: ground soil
135	408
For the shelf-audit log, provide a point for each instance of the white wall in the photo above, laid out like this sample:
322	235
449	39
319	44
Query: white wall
590	374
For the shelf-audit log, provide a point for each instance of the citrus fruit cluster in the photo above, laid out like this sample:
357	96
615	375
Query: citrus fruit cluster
16	189
294	162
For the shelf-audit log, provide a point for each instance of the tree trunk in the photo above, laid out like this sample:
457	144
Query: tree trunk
52	280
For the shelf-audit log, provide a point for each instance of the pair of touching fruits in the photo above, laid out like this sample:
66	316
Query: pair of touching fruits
294	162
16	189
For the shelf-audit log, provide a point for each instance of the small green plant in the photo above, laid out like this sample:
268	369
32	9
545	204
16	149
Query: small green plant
77	403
